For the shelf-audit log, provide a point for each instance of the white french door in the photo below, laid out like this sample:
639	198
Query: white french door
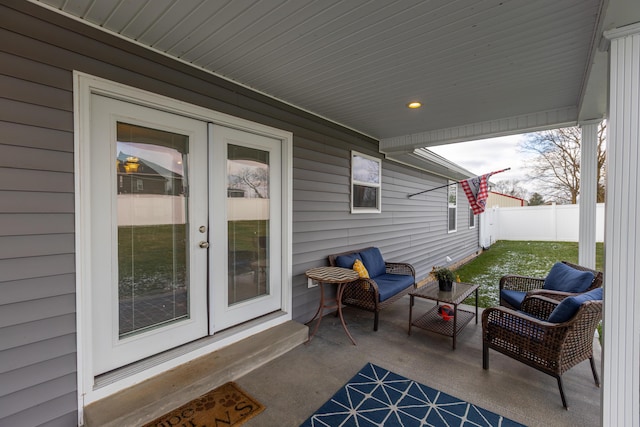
245	214
185	226
148	178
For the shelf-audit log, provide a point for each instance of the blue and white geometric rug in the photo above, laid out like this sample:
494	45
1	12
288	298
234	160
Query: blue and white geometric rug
377	397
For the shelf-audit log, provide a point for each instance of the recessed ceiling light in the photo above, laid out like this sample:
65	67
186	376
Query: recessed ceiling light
414	104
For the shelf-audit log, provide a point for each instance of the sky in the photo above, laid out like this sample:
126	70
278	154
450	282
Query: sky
489	155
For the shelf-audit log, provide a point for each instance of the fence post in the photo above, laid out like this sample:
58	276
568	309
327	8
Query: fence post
554	221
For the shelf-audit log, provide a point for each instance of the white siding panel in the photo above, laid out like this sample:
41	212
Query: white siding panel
621	372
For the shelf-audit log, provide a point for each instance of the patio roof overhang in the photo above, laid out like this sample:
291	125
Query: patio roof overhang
480	69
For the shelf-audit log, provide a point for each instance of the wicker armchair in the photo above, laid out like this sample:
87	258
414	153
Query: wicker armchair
533	285
552	348
365	293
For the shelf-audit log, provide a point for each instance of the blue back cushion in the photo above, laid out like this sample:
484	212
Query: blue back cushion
373	262
569	306
346	261
567	279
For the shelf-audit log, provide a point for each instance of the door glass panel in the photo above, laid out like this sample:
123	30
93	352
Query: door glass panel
153	283
247	222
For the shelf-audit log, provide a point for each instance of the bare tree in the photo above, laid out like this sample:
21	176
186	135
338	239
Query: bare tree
557	165
254	179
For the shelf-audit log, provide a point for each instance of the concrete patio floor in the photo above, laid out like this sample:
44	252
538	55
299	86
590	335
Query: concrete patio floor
295	385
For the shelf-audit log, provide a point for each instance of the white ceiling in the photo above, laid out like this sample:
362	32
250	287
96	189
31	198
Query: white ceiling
481	68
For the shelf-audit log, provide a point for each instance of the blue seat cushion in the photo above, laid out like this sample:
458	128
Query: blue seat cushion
567	279
346	261
513	298
373	262
570	305
391	284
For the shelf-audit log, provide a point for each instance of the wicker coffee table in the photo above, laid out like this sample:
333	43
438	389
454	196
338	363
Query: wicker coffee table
432	321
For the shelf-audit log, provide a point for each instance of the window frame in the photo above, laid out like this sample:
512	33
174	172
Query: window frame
355	182
472	218
453	185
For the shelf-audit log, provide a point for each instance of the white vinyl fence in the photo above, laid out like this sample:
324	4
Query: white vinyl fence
546	223
154	209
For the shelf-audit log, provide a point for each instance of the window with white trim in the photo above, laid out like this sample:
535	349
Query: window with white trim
366	187
452	202
472	218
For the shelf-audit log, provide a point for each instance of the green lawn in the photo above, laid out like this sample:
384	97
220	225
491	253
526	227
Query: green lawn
517	257
152	258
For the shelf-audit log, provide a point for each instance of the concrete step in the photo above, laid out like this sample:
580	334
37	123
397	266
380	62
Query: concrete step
158	395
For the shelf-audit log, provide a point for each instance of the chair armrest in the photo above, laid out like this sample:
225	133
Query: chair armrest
520	283
362	293
400	268
515	322
505	316
538	306
363	285
521	323
554	295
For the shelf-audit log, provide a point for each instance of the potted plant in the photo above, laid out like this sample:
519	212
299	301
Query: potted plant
445	278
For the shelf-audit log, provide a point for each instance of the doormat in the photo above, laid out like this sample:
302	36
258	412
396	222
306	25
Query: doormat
378	397
227	405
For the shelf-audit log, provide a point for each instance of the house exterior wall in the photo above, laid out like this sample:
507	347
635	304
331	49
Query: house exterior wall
408	230
39	50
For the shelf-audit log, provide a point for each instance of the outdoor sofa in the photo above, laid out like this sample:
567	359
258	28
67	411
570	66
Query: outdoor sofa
387	281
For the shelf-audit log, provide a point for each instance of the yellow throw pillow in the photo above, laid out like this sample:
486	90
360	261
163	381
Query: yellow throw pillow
359	267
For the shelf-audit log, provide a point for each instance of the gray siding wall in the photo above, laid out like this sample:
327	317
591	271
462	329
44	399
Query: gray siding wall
407	230
38	52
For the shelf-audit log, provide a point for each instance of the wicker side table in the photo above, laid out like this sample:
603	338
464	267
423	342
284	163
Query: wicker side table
432	321
339	276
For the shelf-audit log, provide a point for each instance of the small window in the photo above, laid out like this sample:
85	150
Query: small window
365	183
452	200
472	219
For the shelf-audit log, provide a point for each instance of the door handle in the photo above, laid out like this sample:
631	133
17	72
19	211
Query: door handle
204	245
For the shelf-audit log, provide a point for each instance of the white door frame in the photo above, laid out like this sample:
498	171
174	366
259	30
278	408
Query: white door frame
84	86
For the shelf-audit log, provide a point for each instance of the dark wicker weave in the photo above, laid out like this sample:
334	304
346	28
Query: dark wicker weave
533	285
364	294
552	348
